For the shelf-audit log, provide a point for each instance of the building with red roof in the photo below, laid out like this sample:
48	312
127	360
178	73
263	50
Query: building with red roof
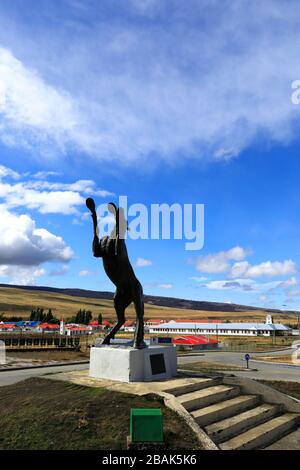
9	327
48	327
196	342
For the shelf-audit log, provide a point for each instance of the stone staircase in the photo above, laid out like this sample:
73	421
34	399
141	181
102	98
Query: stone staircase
234	420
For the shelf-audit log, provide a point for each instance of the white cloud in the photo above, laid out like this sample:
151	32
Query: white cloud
290	282
246	285
85	273
120	91
198	278
60	271
165	286
219	262
32	112
21	275
47	197
265	269
23	244
45	174
84	186
263	298
142	262
158	285
8	172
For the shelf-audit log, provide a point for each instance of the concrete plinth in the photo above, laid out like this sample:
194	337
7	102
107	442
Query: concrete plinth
127	364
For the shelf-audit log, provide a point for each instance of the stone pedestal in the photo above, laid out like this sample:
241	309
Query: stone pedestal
127	364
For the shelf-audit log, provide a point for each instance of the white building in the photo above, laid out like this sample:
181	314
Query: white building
77	330
62	329
223	329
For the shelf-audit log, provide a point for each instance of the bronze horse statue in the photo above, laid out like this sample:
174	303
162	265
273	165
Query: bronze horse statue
112	249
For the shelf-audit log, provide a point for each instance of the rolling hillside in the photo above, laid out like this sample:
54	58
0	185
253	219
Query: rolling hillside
19	300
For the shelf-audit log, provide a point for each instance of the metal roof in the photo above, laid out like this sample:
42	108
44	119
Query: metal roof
223	326
194	340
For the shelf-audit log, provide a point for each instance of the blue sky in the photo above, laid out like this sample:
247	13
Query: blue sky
164	102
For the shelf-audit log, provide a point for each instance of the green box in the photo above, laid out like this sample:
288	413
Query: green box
146	425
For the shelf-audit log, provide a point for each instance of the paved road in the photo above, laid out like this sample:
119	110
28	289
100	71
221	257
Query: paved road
14	376
264	371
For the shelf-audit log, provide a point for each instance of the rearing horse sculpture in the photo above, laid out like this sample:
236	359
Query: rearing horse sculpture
112	249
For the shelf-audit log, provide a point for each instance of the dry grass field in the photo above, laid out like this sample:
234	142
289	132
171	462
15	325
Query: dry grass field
19	302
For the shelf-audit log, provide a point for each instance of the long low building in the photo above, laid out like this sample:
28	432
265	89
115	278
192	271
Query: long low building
223	329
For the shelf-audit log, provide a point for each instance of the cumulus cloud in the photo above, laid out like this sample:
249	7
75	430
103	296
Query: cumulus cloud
219	262
169	88
22	243
222	262
24	248
21	275
142	262
44	196
265	269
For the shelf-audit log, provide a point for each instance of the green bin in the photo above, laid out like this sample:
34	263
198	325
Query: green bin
146	425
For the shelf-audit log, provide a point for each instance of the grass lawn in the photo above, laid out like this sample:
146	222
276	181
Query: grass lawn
207	366
48	355
46	414
286	359
290	388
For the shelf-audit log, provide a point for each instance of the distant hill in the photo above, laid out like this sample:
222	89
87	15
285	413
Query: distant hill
171	302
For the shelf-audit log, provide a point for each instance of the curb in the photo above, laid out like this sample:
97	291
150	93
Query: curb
61	364
275	363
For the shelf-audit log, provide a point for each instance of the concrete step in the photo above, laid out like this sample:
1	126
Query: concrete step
288	442
225	409
192	387
200	398
263	434
230	427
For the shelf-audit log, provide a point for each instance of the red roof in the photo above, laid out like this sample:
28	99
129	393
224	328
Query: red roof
49	326
129	323
194	340
8	325
94	323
